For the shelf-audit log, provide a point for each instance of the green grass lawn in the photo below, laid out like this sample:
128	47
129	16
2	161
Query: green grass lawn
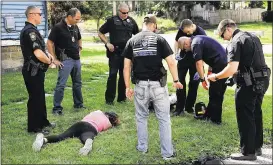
191	138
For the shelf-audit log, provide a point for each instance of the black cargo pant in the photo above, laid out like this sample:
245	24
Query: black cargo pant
249	117
82	130
183	100
36	105
116	64
217	90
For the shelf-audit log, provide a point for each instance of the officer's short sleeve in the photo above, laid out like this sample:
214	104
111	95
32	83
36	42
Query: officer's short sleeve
135	28
178	35
53	34
197	52
233	51
105	28
32	38
164	49
128	50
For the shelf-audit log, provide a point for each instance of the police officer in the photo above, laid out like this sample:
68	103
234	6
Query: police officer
146	51
64	42
246	57
186	63
36	62
208	50
120	29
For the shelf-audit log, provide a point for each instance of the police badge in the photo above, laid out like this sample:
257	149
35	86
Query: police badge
32	36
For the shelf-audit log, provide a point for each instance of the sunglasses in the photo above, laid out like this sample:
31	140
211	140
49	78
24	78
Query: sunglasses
37	13
124	12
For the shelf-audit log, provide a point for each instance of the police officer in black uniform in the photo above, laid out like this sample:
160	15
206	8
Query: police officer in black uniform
120	29
36	62
246	57
186	63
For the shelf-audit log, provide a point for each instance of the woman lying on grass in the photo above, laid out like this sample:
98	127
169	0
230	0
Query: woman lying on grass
85	130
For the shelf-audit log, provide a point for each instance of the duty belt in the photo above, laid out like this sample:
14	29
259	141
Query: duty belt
263	73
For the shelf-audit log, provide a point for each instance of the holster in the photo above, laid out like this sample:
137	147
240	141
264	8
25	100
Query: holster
163	79
34	67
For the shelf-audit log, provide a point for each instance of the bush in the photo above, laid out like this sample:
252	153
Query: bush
267	16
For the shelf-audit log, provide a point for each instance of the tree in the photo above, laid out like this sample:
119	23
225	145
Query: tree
97	10
256	4
58	9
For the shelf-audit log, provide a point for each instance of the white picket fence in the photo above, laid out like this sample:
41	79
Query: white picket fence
239	16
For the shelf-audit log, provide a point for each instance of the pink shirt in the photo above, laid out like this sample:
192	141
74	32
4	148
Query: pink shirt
98	120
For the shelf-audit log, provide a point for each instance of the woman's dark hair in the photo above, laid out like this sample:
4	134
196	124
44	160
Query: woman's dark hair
113	118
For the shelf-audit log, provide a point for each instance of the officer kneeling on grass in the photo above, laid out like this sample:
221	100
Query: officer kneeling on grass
245	56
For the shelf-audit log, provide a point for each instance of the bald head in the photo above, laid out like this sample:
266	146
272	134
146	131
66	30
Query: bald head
184	43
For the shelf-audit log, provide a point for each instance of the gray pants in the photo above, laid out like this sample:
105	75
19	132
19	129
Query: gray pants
146	91
73	68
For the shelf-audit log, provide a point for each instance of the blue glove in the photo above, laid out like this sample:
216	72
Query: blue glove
196	76
177	57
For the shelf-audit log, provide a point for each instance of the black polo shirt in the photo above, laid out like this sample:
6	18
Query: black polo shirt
209	50
62	35
146	50
246	49
120	31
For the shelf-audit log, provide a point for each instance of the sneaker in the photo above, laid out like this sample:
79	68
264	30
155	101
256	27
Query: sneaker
57	112
38	143
86	148
143	152
169	158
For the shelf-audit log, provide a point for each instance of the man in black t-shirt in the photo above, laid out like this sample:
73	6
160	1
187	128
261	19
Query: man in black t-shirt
247	63
206	49
186	63
64	42
145	52
120	28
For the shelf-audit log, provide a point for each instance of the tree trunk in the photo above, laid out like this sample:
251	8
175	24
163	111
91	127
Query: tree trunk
268	5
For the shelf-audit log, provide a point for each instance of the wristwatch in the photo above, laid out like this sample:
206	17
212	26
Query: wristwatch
175	81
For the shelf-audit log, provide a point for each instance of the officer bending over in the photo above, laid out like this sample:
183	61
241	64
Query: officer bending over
245	56
36	62
120	29
208	50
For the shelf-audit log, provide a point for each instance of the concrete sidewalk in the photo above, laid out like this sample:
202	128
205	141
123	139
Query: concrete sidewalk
266	158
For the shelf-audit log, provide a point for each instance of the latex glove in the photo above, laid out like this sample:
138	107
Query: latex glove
178	57
205	84
196	76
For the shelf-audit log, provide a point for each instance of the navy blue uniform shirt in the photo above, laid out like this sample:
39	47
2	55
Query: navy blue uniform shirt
209	50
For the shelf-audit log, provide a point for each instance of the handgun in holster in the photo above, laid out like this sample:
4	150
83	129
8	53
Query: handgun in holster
34	69
163	79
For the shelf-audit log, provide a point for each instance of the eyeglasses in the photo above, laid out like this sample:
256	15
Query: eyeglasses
124	12
37	13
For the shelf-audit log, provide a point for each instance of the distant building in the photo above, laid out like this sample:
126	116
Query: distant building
12	22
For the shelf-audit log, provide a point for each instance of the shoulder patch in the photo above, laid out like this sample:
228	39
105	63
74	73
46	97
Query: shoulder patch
32	36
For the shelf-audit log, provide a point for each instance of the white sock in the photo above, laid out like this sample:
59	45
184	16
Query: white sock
87	147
